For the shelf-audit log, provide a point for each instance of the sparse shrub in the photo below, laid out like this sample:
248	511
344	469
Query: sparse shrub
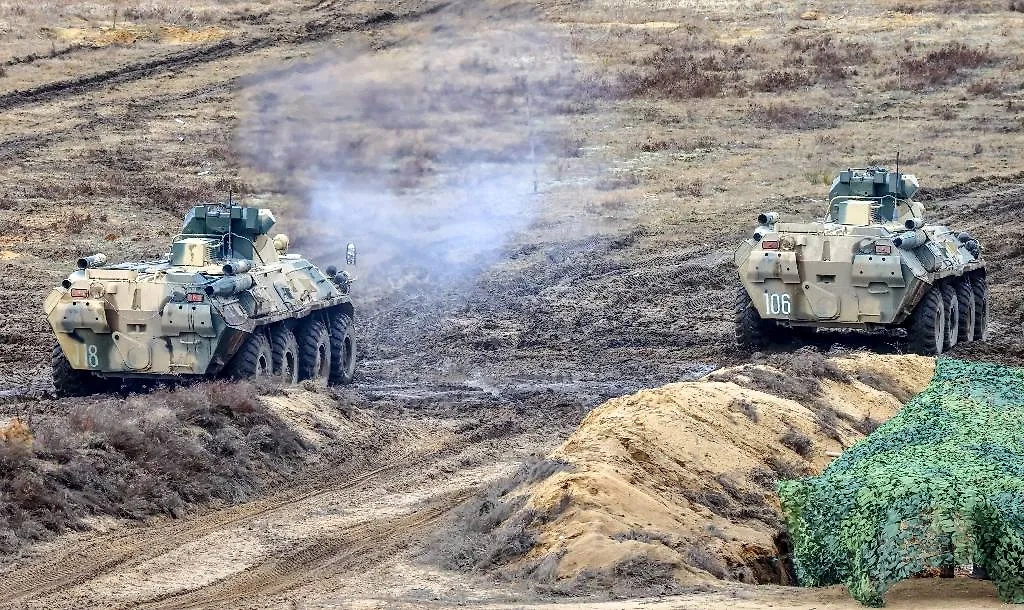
780	80
652	145
866	425
941	66
825	417
883	383
677	75
693	189
790	116
701	557
988	88
831	61
763	477
1016	5
798	442
746	407
493	528
785	469
167	448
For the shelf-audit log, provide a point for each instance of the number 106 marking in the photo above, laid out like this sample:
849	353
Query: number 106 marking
777	304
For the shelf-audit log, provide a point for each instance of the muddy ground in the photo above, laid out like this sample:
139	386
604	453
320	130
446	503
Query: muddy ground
538	231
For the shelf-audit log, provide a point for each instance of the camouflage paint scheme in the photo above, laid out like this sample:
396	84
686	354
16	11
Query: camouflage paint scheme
189	313
848	270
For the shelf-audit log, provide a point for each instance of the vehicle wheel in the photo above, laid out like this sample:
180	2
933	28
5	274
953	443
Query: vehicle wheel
926	327
285	351
952	305
979	283
968	309
253	360
314	351
69	381
752	333
343	350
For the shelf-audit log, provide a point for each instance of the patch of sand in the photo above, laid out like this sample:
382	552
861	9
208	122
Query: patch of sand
681	476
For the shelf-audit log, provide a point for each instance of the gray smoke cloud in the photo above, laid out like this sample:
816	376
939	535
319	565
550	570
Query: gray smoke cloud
426	155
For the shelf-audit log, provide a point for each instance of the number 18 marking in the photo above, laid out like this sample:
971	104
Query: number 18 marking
778	304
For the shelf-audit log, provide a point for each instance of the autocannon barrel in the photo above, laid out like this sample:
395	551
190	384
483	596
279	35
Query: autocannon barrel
227	286
768	218
89	262
910	240
237	267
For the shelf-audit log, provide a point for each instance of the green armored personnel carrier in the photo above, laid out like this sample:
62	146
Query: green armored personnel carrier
872	263
228	301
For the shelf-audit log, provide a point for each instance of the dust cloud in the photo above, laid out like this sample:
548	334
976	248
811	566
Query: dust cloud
427	159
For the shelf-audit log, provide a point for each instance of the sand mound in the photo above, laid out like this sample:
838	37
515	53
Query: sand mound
680	481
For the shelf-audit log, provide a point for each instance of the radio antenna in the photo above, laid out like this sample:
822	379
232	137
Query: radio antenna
231	245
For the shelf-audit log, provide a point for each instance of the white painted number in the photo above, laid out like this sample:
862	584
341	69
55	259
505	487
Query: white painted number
777	304
92	357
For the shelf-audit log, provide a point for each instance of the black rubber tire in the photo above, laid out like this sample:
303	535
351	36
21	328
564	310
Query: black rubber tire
284	348
69	381
979	284
952	305
752	333
314	351
253	360
343	350
926	328
968	308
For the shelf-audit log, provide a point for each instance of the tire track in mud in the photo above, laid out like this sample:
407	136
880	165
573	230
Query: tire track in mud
90	558
49	582
356	545
310	31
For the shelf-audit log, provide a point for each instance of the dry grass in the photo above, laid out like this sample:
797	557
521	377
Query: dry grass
147	455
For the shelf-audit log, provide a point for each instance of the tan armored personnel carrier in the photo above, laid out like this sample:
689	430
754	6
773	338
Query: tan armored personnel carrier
228	301
872	263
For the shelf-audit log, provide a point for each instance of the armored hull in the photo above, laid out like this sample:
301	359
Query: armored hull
227	301
871	263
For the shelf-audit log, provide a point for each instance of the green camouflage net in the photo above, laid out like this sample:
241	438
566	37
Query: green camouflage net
940	484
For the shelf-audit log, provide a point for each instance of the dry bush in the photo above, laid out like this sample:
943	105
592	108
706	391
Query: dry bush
701	557
142	456
780	80
746	407
829	60
785	469
641	576
790	117
493	528
988	88
764	478
942	66
1016	5
798	442
883	383
678	75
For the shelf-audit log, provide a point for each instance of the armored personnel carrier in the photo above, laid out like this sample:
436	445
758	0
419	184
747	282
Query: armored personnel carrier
872	263
228	301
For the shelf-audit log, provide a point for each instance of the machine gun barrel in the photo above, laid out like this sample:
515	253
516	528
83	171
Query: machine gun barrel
90	262
909	240
228	286
237	267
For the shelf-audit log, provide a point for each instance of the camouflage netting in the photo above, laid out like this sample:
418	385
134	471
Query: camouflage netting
940	484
